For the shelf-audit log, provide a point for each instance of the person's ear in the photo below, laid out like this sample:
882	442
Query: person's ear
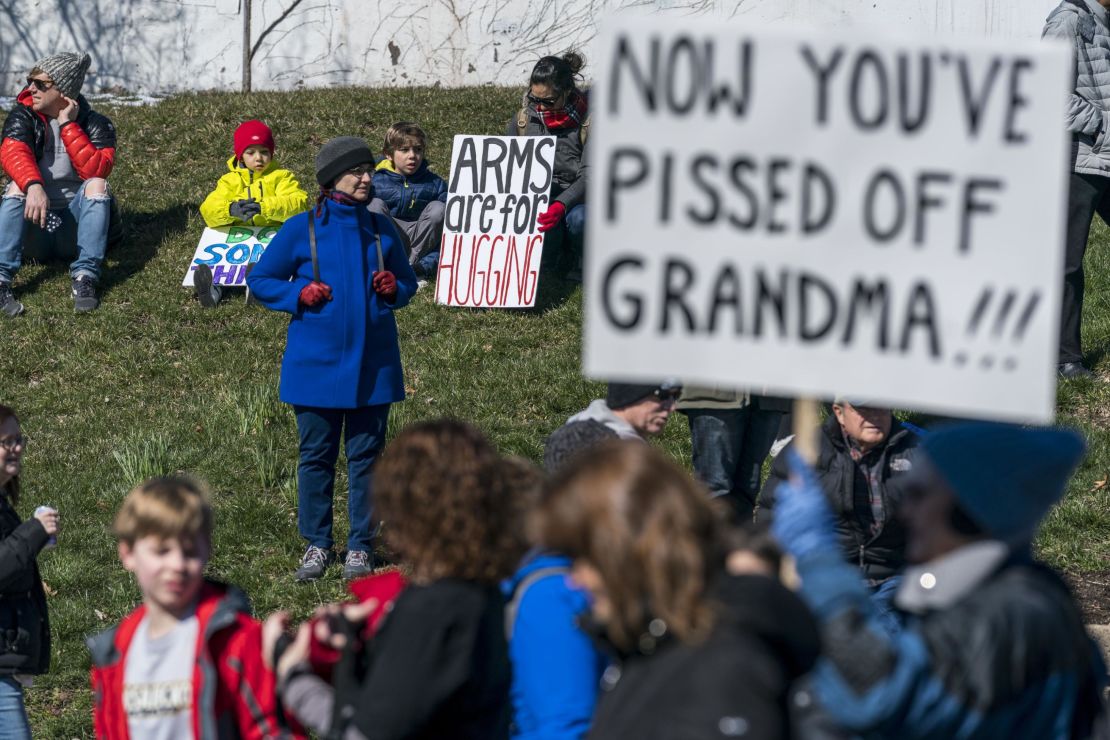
126	555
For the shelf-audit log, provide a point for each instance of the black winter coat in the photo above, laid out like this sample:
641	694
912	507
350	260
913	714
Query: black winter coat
736	683
571	168
24	627
879	555
438	668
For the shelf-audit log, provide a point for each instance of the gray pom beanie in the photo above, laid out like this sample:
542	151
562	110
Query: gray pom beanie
338	155
67	70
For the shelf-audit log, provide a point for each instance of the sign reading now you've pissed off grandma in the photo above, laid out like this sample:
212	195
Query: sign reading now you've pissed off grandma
824	212
491	247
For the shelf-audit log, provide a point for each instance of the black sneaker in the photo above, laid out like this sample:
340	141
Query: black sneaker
9	306
315	561
1072	371
84	294
207	292
358	563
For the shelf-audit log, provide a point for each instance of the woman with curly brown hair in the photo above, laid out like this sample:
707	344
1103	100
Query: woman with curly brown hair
438	666
697	653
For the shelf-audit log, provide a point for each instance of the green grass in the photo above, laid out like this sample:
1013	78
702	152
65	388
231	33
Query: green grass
153	383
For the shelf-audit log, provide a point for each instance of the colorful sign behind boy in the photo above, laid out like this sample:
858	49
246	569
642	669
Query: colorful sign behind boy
228	250
490	255
821	212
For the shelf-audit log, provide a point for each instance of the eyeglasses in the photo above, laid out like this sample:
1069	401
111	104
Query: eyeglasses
10	443
40	85
362	169
545	102
666	395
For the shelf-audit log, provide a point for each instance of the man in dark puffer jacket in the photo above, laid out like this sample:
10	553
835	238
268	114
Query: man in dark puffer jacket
58	153
864	451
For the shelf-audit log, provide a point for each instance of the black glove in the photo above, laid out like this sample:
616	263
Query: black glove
244	210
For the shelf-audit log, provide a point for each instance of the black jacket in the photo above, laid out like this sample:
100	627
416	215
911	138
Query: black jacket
24	627
571	168
735	683
878	555
438	667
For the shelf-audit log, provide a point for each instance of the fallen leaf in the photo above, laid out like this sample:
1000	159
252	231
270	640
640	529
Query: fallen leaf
49	591
1100	484
100	615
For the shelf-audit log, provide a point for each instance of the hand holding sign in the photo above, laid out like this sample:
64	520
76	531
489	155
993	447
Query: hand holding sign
314	294
550	218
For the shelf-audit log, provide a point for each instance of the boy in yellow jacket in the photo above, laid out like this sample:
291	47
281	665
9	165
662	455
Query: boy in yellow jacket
255	192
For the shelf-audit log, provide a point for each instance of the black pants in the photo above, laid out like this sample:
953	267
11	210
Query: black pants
1087	195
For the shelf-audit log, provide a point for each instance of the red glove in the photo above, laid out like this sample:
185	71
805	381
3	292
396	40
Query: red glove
550	218
314	294
385	284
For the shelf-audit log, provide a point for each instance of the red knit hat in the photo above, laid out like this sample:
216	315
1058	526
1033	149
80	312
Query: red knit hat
252	133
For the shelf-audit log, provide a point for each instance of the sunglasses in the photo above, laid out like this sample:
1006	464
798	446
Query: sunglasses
40	85
545	102
10	443
666	395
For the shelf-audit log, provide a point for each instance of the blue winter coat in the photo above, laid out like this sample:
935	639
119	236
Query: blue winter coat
1008	659
556	667
408	196
344	353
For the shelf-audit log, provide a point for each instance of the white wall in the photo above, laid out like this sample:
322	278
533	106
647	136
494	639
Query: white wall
152	46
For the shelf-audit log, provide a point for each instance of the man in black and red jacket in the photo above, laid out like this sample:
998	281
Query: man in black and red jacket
58	153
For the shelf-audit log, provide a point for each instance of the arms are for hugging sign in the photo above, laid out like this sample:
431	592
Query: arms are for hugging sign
491	249
822	213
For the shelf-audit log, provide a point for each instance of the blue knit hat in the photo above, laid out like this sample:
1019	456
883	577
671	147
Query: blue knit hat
1005	477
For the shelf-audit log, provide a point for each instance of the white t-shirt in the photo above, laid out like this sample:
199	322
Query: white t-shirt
158	682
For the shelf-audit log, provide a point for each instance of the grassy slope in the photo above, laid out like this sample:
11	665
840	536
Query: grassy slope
152	383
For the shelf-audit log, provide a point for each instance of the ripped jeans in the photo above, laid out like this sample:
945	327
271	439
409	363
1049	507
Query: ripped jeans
84	225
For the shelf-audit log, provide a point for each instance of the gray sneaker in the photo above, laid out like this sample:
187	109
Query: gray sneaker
84	294
358	564
9	306
315	561
208	293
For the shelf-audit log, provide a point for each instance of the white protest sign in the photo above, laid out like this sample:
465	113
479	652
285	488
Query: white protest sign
228	250
822	212
491	249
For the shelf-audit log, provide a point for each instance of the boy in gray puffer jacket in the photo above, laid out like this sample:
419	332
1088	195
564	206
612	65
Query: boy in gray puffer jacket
1086	26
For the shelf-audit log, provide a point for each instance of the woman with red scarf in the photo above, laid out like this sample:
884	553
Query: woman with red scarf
340	272
554	106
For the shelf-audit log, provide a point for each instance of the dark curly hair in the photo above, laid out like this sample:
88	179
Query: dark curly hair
448	506
559	72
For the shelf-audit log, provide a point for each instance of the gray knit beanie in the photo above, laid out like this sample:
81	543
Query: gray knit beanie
67	70
338	155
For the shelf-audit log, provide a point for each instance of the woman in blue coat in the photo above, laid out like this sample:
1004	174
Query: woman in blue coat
342	363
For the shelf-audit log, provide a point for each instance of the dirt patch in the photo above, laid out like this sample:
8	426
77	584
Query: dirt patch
1092	591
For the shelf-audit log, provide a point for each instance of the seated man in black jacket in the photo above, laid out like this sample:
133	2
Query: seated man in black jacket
863	452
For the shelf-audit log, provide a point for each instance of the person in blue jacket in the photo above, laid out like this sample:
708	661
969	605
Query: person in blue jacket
342	364
412	194
556	666
993	645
